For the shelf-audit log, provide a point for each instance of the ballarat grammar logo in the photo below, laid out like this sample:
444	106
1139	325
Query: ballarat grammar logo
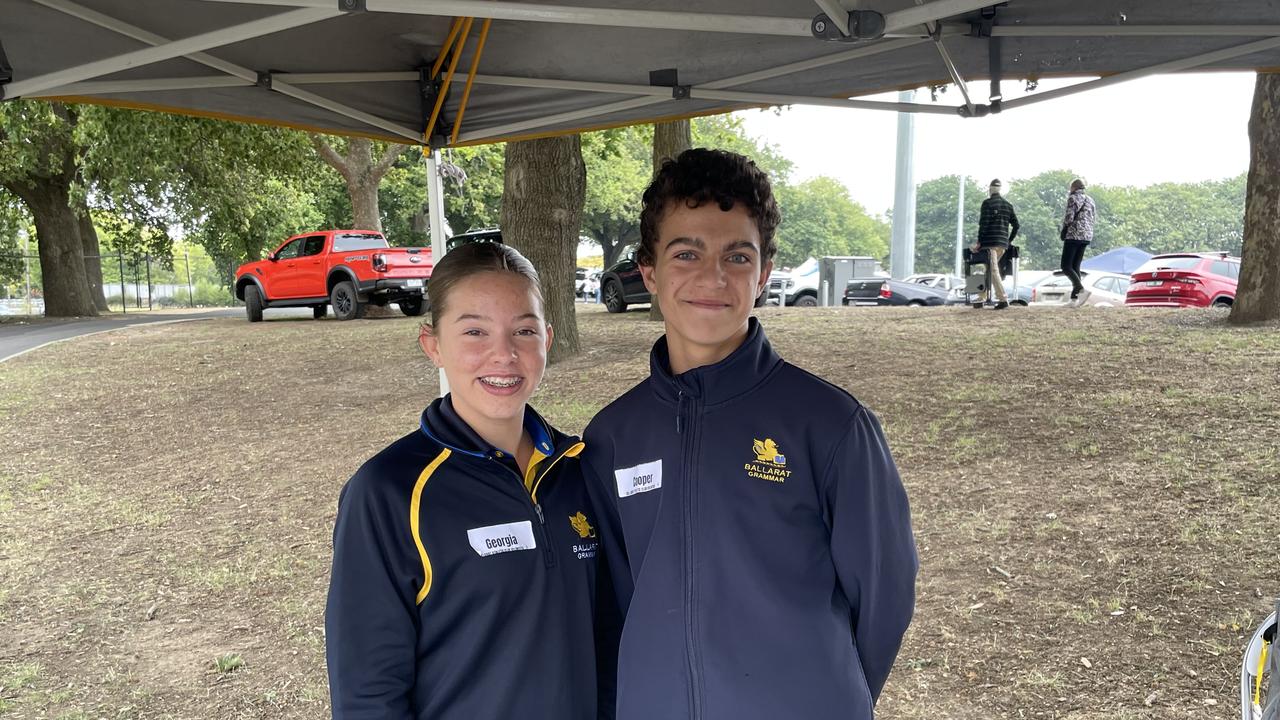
582	526
770	464
767	452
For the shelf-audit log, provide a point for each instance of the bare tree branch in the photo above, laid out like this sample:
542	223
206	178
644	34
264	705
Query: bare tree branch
394	151
329	155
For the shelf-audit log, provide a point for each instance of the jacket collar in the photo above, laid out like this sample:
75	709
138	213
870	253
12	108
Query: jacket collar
740	372
441	423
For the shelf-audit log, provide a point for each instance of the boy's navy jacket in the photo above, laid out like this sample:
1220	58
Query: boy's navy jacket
759	540
454	596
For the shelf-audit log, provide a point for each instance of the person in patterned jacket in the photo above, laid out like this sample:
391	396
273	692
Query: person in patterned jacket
1077	233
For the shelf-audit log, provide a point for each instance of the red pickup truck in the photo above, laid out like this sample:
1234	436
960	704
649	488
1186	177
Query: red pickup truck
348	269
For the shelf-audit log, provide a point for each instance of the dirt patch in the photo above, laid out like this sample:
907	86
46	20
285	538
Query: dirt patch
1091	491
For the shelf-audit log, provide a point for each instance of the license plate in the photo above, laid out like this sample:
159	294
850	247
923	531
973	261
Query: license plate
413	283
1152	283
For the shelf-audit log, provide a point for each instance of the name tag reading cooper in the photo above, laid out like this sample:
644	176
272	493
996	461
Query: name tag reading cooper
639	479
496	539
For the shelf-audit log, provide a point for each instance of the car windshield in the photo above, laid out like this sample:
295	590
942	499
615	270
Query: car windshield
1181	262
348	242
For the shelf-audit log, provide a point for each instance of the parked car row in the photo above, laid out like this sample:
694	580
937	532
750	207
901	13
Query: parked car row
1172	280
350	269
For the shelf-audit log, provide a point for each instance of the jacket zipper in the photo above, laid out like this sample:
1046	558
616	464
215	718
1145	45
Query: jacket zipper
688	447
544	537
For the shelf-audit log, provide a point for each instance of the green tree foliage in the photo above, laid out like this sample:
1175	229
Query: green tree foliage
819	218
473	186
936	221
156	170
619	166
728	132
255	221
14	220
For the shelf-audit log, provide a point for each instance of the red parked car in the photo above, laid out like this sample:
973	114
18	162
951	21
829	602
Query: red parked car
345	269
1185	280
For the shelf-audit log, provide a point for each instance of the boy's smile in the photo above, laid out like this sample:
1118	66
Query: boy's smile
706	275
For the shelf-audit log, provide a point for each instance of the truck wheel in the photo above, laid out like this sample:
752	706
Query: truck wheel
413	307
253	303
319	311
345	301
806	301
613	300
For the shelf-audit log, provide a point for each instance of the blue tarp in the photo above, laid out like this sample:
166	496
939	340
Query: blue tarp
1120	260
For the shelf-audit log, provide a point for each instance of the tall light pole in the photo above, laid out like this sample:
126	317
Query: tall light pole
960	230
902	250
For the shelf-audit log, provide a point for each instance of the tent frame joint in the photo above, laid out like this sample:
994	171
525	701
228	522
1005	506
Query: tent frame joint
863	25
429	86
264	80
984	27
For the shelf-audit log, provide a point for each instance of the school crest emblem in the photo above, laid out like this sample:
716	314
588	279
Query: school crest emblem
582	526
769	463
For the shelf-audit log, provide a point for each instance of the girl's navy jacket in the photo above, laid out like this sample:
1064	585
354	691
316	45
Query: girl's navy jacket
759	539
457	593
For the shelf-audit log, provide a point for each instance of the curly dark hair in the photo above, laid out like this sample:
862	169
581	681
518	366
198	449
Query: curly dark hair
699	176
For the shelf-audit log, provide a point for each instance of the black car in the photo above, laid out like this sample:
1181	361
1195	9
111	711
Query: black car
493	235
885	291
621	285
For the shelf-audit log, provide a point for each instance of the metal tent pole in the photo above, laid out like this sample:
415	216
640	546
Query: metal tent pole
906	19
435	209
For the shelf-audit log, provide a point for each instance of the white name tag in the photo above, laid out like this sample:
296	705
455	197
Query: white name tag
496	539
639	479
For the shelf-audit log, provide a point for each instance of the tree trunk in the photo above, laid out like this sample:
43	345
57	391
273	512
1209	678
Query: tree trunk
616	238
362	176
544	188
1258	294
92	257
66	291
669	140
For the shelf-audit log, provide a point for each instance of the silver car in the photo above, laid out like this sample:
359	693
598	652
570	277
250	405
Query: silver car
1101	289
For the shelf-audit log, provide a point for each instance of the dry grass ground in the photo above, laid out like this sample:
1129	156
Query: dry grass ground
1094	495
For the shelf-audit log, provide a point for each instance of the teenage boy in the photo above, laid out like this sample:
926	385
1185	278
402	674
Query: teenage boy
755	526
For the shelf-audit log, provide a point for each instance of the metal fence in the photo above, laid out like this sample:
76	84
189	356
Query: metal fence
129	282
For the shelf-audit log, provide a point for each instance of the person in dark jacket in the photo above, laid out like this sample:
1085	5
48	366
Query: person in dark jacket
464	554
1077	233
997	227
756	529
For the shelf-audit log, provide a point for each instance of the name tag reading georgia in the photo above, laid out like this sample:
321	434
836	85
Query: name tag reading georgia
638	479
509	537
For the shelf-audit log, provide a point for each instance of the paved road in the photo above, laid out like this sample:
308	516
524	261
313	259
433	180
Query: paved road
16	339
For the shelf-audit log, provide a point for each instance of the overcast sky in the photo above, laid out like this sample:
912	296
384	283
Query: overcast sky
1177	128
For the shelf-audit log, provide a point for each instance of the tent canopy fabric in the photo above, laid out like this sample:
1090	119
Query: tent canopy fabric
521	69
1122	260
